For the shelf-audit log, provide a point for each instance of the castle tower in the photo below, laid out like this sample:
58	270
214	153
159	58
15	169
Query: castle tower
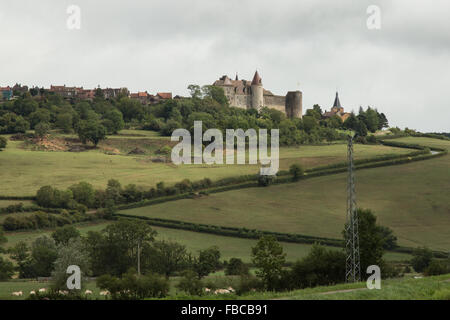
294	104
257	92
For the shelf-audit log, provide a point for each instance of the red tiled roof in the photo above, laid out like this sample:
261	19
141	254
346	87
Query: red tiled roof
165	95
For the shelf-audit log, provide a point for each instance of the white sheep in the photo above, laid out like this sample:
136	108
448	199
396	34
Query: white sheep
207	290
88	292
42	290
17	293
32	293
104	293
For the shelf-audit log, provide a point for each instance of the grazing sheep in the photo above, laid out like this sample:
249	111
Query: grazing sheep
88	292
221	291
63	292
230	289
42	290
32	293
17	293
104	293
207	290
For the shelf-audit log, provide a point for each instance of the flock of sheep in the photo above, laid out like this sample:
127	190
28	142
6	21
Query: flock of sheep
62	292
229	290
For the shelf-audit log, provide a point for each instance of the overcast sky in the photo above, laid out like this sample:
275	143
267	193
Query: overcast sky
402	69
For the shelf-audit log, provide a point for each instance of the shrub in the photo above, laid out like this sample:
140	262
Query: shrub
421	259
436	267
236	267
190	283
296	171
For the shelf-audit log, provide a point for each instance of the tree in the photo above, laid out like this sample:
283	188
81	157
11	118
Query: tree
43	255
83	193
269	258
20	253
422	257
12	123
115	121
91	130
370	239
191	284
167	257
64	121
62	235
70	253
40	115
236	267
320	267
118	247
3	143
208	261
6	269
297	171
42	129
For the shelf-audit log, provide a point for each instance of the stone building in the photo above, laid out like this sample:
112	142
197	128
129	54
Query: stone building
252	95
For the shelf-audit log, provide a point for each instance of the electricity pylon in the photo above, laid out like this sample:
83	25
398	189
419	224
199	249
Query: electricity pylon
352	264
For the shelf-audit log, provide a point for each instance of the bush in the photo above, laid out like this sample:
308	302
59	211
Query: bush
191	284
437	267
249	283
3	143
296	171
130	286
421	259
235	267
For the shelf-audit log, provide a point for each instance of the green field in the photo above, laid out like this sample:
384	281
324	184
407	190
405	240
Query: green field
24	171
429	288
229	247
412	199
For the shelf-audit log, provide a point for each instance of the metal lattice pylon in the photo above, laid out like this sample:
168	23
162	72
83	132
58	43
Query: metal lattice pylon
352	265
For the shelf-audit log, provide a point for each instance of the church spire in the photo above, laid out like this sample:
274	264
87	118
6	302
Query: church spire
337	103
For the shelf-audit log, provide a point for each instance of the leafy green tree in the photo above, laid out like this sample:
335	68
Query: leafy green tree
42	129
370	239
269	258
12	123
43	255
116	122
236	267
62	235
71	253
297	171
191	284
3	143
91	130
195	91
40	115
64	121
320	267
84	193
118	247
208	261
421	259
20	253
167	257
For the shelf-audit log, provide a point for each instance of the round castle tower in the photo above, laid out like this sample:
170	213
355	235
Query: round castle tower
294	104
257	92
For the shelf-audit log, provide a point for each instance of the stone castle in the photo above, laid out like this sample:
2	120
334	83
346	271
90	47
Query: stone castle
251	94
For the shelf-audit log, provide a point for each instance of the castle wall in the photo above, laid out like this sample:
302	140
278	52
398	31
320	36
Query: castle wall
242	101
275	102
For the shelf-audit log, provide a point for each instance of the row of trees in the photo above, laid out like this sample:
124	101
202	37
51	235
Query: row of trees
92	120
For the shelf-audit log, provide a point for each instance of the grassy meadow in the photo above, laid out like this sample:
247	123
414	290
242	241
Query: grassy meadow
429	288
412	199
24	171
